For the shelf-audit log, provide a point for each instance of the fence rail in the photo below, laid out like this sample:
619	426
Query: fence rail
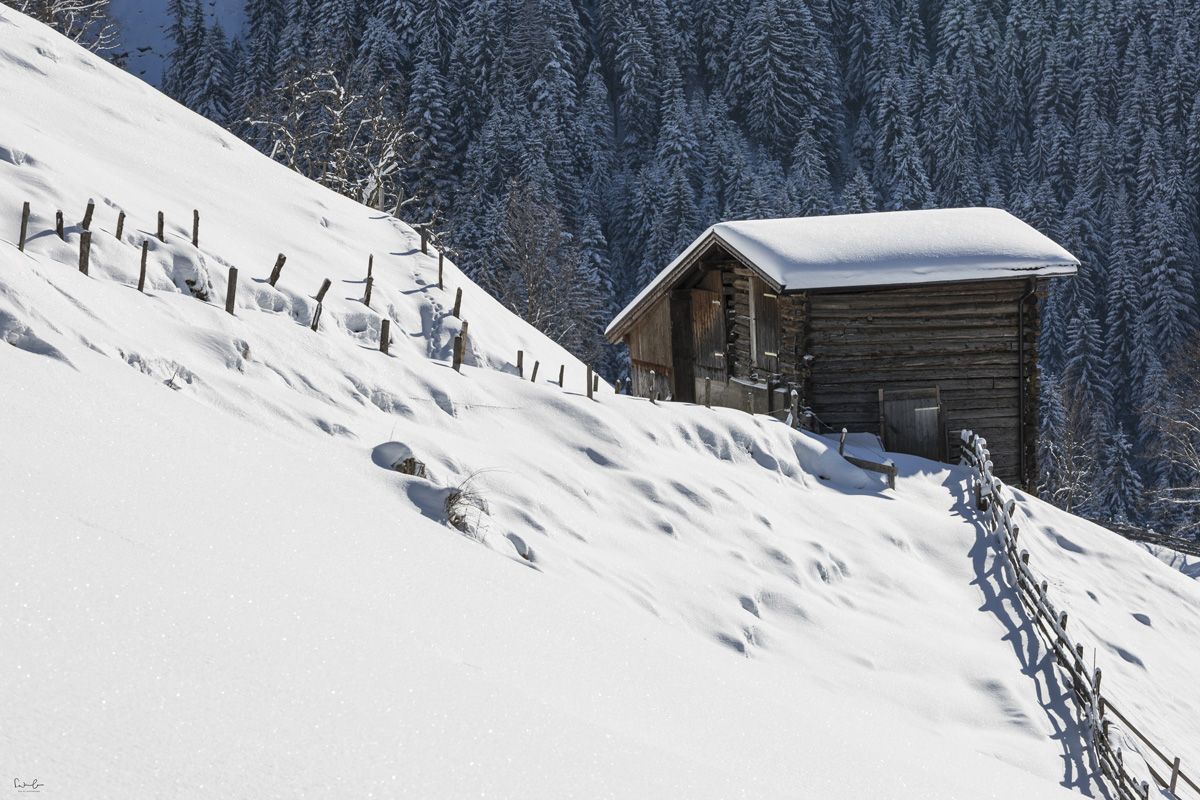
991	497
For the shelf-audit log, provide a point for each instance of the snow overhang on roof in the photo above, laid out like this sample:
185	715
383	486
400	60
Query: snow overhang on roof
853	251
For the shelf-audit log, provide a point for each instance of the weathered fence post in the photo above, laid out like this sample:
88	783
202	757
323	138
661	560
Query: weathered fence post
561	369
749	402
521	363
653	386
195	227
231	290
24	226
87	216
120	224
457	303
533	376
370	280
424	230
1174	777
142	272
595	383
85	250
277	270
385	335
589	381
707	392
457	362
58	225
441	262
325	284
460	346
161	232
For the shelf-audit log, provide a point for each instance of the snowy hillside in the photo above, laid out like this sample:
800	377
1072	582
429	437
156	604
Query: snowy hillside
215	584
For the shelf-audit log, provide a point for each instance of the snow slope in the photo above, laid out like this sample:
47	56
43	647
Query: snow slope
214	584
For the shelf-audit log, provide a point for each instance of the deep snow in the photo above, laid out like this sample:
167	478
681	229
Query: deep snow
213	587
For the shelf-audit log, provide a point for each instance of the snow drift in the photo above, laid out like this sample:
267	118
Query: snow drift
217	584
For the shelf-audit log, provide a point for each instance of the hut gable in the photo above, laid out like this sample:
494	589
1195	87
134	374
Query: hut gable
850	310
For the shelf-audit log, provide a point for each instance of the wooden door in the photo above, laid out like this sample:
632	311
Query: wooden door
911	421
708	335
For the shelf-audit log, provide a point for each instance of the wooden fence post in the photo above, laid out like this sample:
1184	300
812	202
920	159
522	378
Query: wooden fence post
367	294
521	363
231	290
653	386
371	265
460	345
589	381
142	273
457	303
161	233
87	216
707	392
561	369
120	224
533	377
456	365
277	270
85	250
385	335
58	225
595	383
195	227
24	226
441	263
325	284
1174	777
424	229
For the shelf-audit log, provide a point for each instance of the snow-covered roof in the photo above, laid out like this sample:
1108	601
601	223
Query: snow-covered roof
891	248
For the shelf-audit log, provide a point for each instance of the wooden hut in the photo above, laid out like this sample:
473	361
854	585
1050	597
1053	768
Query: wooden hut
909	324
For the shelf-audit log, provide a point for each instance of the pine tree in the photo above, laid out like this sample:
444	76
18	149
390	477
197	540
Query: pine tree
428	118
808	185
860	196
211	91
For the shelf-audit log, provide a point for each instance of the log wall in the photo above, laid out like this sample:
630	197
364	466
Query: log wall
962	338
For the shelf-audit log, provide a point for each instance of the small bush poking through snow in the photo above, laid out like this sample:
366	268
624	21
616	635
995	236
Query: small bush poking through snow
465	507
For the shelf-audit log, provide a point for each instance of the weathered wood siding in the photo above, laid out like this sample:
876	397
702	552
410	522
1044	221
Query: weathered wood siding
960	338
650	350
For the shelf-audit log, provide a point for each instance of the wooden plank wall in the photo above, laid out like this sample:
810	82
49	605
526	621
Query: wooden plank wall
650	349
961	338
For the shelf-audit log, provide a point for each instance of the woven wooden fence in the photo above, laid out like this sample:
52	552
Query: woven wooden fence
1101	720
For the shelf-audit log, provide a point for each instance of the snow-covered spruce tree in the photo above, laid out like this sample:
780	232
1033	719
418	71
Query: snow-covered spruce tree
211	92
